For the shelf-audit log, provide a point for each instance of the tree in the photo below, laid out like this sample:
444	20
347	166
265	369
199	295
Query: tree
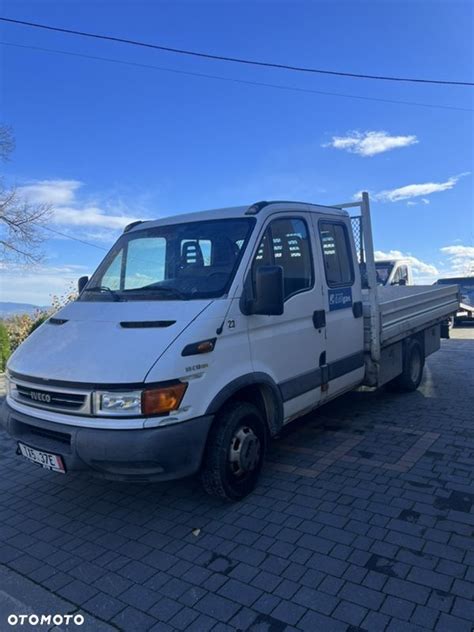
20	220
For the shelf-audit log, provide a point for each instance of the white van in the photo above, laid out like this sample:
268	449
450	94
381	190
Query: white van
199	336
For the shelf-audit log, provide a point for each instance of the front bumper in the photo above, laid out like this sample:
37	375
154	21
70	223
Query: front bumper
142	454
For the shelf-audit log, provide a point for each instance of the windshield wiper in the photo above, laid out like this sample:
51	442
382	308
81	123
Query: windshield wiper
103	288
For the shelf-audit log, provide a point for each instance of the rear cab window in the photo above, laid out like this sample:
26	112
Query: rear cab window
338	263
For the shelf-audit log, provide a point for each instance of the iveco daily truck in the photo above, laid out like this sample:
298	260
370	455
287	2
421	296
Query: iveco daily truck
200	336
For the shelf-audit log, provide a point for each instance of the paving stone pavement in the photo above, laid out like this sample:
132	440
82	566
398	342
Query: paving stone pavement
364	520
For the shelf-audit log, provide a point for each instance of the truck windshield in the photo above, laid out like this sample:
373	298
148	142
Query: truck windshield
466	288
173	262
383	271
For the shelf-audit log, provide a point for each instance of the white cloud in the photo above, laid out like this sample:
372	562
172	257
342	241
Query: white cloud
37	285
461	259
458	260
50	191
422	271
71	210
417	190
89	216
370	143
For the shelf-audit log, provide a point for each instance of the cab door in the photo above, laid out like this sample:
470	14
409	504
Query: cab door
289	347
342	296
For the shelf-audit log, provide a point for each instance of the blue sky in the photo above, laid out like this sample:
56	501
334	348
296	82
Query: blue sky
105	141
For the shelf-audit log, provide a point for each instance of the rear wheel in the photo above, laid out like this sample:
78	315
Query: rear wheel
412	373
235	452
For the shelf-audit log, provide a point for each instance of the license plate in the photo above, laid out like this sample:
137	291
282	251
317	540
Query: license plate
47	460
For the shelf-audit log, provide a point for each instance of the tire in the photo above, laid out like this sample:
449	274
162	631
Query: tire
412	373
234	452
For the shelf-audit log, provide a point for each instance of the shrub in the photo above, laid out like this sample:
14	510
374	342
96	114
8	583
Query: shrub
20	326
40	318
4	346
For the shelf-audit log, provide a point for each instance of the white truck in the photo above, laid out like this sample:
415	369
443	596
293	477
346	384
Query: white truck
388	272
465	313
393	272
200	336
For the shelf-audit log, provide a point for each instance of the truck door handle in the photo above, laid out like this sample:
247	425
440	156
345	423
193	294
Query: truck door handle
319	319
357	309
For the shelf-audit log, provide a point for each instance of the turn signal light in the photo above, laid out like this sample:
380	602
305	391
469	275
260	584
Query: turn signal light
203	346
156	401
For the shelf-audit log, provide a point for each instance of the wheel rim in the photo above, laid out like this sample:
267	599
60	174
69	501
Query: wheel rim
415	366
244	452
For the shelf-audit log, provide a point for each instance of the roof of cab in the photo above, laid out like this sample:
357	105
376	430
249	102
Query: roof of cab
237	211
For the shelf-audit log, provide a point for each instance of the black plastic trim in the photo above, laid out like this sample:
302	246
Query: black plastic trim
306	382
57	321
300	385
251	379
357	309
319	319
142	324
346	365
132	225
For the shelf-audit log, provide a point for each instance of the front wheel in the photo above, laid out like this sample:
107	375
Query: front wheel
235	452
412	373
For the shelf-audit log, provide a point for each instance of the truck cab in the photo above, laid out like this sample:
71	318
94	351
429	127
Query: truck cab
200	336
465	313
393	272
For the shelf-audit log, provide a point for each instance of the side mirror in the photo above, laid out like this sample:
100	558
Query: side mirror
402	282
81	284
269	291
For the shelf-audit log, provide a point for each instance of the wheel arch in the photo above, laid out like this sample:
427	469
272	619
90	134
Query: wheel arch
258	389
418	337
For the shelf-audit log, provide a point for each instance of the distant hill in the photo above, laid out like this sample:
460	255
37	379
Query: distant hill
10	309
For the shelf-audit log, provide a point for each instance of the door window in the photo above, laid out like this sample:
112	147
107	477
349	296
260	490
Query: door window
286	244
111	278
336	254
401	274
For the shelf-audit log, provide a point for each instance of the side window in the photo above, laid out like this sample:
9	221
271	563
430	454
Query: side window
403	274
111	278
336	253
286	244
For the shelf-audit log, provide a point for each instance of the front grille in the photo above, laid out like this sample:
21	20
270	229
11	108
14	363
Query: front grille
55	398
47	398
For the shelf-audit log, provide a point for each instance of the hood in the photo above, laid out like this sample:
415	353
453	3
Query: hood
102	342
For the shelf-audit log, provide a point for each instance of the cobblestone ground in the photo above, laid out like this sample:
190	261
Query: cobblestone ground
364	520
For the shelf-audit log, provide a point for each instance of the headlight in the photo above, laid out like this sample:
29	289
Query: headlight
153	401
118	403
